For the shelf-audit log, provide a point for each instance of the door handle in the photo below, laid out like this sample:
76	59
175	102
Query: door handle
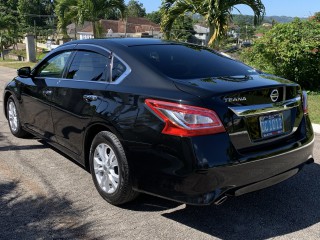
90	98
47	92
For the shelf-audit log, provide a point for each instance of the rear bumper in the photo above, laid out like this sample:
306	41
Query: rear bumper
206	186
202	170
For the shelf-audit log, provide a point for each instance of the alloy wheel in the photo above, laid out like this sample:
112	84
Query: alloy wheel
106	168
13	117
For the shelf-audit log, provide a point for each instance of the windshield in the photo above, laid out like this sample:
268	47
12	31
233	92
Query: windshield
190	61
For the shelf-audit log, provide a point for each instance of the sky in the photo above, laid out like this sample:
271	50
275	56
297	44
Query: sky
289	8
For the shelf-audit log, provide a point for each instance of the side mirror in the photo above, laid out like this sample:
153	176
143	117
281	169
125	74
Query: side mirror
24	72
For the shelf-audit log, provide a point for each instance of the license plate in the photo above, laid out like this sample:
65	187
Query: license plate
271	125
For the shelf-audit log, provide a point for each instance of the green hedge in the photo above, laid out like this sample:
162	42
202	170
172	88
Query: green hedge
290	50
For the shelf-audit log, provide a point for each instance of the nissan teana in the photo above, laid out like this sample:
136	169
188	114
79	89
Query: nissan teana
175	120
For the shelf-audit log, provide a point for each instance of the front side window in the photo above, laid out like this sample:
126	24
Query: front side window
88	66
54	67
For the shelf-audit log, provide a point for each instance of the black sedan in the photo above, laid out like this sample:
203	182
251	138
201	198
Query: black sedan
175	120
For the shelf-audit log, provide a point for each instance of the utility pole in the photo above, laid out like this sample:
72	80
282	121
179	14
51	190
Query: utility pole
2	52
35	35
30	48
125	27
246	32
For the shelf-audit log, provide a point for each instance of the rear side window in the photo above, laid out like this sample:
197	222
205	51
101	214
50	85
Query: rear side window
88	66
190	61
118	69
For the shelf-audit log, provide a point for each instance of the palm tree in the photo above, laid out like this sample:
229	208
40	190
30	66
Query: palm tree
67	12
94	10
79	11
8	31
217	13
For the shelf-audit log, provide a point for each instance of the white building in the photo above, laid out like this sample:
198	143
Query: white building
201	35
131	27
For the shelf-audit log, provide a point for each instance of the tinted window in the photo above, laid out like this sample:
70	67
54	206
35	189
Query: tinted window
88	66
189	61
54	66
118	69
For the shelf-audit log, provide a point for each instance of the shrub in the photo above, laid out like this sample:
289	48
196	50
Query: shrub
290	50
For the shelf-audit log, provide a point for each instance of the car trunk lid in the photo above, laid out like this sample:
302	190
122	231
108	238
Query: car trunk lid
256	110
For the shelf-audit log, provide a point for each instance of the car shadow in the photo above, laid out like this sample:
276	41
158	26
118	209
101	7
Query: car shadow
285	208
288	207
149	203
43	144
6	145
38	217
52	147
26	147
1	137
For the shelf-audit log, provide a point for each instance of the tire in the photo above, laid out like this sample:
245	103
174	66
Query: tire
14	119
110	170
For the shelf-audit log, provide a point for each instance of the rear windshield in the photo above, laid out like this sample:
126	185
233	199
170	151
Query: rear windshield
189	61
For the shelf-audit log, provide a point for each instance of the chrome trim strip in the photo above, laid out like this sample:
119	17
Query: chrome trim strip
265	108
291	151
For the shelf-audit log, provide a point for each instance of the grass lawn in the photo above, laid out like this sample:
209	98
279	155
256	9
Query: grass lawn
16	64
314	107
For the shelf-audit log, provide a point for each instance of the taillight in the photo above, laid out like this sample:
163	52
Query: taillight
185	120
305	102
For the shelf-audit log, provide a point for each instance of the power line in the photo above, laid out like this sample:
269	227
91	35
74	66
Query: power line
31	14
38	15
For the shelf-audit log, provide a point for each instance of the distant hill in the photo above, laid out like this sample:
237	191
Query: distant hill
248	19
279	19
240	19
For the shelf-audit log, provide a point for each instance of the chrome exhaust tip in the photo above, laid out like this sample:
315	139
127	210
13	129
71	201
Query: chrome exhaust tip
310	160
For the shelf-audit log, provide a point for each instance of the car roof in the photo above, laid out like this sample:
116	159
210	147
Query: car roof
127	42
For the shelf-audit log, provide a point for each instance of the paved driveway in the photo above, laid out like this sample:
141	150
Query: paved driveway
45	195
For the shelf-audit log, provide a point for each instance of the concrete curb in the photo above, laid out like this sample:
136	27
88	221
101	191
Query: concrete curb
316	128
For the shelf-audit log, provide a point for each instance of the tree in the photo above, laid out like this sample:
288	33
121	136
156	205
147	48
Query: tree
79	11
67	12
94	10
182	29
239	19
155	17
8	26
290	50
8	6
113	14
34	12
135	9
216	13
74	11
316	17
10	29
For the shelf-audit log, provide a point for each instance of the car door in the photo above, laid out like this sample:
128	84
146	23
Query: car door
77	96
38	90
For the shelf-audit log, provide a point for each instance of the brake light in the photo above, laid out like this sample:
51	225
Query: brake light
305	102
185	120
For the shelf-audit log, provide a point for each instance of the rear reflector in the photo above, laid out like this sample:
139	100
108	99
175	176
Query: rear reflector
305	102
185	120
